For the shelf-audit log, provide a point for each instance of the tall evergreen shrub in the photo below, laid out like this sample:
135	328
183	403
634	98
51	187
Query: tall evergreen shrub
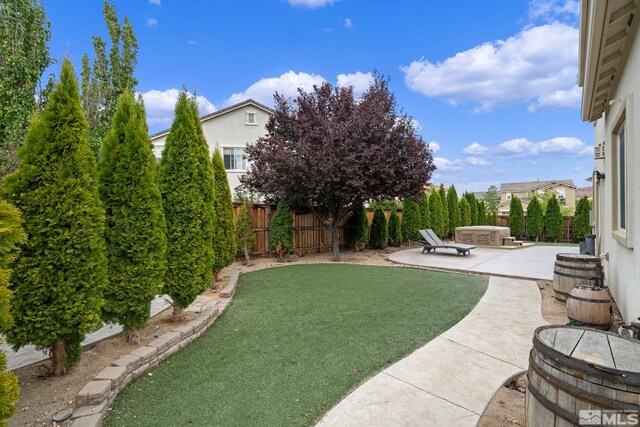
356	227
455	218
379	234
245	233
516	217
224	238
581	225
395	230
135	227
281	228
435	206
554	221
482	213
465	212
425	212
473	207
411	219
535	219
445	210
60	274
187	184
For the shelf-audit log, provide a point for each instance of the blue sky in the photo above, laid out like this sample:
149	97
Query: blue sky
492	85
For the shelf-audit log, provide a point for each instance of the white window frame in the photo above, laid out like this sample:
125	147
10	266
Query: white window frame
233	159
508	195
251	114
621	177
618	173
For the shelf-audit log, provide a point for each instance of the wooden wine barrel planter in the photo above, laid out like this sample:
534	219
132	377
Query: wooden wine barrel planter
591	306
573	369
573	270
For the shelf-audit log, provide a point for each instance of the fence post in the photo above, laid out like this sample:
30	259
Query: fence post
268	221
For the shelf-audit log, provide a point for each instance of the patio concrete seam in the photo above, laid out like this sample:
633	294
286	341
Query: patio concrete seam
481	352
431	393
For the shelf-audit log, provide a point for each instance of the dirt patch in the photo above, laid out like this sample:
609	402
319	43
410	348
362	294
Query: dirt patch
41	395
507	405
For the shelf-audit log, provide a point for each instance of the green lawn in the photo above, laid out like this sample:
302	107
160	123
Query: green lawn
294	342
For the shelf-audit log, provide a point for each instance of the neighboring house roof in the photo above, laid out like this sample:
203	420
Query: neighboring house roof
584	191
218	113
480	194
517	187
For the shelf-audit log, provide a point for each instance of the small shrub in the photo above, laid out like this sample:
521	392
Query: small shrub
245	233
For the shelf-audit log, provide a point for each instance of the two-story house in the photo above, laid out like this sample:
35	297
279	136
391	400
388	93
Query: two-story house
228	130
564	189
609	75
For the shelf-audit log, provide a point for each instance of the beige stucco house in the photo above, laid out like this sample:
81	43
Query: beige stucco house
228	130
564	188
610	80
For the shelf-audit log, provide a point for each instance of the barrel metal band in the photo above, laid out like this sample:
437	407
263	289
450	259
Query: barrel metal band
599	301
575	276
554	408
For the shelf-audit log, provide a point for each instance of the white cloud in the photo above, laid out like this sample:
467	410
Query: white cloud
151	22
160	106
534	66
562	145
192	42
348	23
156	2
434	146
286	85
554	9
359	81
559	99
475	148
446	165
477	161
312	4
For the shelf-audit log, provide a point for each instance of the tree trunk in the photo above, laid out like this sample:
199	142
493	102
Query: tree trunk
133	336
58	353
279	251
246	253
334	241
177	314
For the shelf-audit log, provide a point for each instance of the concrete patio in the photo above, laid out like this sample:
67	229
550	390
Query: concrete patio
533	262
451	380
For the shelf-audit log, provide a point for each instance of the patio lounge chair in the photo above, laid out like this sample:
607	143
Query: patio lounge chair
432	242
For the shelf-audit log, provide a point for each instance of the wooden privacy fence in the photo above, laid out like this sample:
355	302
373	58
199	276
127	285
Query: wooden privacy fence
309	235
567	237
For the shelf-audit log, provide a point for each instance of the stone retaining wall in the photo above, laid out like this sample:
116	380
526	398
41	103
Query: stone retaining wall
98	395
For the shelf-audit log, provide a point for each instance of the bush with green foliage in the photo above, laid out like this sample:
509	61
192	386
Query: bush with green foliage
492	218
445	210
473	207
356	228
516	217
435	207
395	229
135	231
281	227
224	238
465	212
535	219
379	233
491	199
61	272
187	185
455	217
482	213
554	221
581	224
425	212
411	220
11	237
245	233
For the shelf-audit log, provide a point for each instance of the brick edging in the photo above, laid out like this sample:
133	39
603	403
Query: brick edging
95	397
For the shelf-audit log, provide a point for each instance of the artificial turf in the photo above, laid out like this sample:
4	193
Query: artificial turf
294	342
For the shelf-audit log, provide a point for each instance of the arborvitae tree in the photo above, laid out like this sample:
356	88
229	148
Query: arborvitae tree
224	240
281	229
473	207
379	234
425	212
492	218
61	273
186	184
482	213
455	218
581	225
11	236
356	228
516	217
435	206
245	233
554	220
445	209
395	230
465	212
411	219
135	226
535	220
